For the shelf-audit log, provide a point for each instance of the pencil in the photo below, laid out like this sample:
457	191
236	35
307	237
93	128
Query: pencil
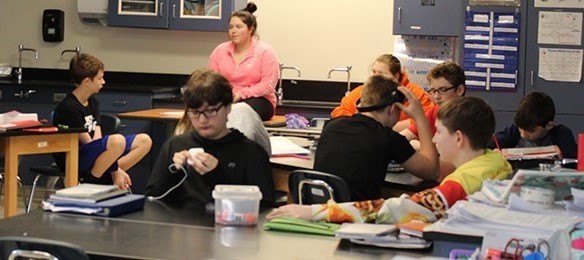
496	142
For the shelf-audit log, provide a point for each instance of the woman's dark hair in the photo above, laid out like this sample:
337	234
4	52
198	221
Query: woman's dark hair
207	86
247	17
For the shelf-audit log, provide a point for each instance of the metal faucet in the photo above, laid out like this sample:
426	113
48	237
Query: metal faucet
348	70
77	50
280	92
19	69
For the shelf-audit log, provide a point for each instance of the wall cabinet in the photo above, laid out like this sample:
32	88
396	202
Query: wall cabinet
200	15
428	17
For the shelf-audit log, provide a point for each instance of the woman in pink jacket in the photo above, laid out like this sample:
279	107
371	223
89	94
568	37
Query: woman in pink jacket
251	66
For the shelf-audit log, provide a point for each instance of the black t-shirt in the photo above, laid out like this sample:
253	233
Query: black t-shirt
358	149
70	112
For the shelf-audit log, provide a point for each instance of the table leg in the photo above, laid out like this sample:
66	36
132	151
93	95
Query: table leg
10	184
72	162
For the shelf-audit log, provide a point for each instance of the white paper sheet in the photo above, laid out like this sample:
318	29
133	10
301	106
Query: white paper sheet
560	64
562	28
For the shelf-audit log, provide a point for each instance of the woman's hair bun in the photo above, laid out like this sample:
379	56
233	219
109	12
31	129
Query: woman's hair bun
250	7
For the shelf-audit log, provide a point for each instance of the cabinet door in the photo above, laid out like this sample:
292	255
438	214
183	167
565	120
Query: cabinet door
203	15
138	13
566	95
428	17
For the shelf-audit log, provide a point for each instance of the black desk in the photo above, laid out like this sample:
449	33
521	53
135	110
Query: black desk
165	232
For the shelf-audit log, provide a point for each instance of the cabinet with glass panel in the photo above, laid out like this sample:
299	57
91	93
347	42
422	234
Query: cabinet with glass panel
200	15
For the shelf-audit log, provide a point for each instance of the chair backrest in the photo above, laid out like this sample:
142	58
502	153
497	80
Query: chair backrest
16	247
110	124
314	187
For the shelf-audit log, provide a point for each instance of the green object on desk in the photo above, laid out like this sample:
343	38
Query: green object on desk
302	226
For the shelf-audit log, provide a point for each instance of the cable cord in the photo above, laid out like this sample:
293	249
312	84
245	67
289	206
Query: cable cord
173	168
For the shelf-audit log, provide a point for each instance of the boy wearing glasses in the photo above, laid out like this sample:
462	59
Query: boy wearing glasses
447	81
227	156
102	159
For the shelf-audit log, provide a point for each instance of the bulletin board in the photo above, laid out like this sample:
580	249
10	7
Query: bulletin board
491	42
419	54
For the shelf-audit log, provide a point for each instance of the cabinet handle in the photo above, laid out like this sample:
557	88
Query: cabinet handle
29	92
119	103
19	94
174	11
160	9
531	79
399	14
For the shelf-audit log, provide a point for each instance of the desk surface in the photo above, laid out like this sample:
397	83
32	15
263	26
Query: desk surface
162	231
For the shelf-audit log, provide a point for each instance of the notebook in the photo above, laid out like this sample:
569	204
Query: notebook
86	190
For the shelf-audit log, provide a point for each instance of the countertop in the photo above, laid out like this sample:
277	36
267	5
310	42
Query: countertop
115	81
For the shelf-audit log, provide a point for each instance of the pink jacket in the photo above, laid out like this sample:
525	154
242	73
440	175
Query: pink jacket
255	76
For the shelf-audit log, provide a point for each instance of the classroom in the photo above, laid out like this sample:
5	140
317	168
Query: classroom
322	50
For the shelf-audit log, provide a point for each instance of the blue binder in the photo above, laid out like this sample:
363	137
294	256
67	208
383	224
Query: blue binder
111	207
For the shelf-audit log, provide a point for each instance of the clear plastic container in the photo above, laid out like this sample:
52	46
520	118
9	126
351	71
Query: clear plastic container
237	204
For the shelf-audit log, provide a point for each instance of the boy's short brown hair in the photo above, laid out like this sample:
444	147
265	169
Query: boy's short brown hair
450	71
207	86
83	66
379	92
535	109
470	115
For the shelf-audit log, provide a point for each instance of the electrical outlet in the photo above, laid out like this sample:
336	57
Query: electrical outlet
57	97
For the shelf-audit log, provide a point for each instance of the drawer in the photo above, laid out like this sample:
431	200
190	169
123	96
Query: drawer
123	101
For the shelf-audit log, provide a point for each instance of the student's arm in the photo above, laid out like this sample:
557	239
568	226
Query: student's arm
161	179
348	106
408	134
393	211
424	163
564	139
401	125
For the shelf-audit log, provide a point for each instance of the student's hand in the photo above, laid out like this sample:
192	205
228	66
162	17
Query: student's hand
414	108
180	158
291	210
121	179
203	162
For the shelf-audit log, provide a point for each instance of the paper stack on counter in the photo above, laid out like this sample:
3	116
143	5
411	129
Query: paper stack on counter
529	153
14	115
283	146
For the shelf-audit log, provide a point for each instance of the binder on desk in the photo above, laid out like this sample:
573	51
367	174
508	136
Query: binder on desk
106	208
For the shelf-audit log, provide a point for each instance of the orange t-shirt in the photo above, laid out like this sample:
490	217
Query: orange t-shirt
348	106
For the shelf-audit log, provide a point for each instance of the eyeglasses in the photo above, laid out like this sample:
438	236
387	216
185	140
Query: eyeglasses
208	113
439	90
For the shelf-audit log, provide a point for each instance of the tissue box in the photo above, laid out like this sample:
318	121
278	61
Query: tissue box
237	204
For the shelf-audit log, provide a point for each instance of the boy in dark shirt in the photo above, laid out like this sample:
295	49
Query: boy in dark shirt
534	126
102	159
226	157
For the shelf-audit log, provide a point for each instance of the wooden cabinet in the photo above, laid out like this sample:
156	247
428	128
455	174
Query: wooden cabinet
428	17
199	15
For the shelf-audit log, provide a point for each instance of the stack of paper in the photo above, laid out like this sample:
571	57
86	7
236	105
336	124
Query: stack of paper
103	200
283	146
381	235
529	153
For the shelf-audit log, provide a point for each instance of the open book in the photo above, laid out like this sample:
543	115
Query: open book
530	153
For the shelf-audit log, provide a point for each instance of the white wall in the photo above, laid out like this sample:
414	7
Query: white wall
313	35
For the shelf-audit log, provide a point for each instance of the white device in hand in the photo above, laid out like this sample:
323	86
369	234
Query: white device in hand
194	151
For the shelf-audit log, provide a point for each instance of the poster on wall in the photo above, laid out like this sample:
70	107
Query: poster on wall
491	41
559	3
557	64
419	54
561	28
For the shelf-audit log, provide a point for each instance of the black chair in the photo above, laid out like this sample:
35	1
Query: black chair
39	248
110	124
314	187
